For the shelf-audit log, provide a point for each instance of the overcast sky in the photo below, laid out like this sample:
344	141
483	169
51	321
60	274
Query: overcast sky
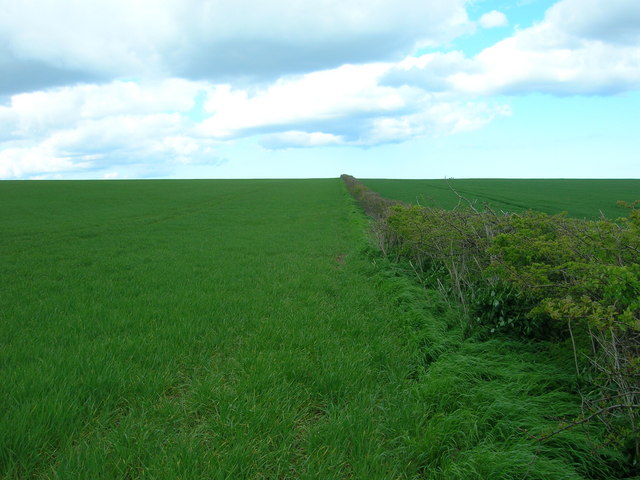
316	88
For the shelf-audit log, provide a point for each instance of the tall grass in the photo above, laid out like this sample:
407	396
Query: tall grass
478	408
241	329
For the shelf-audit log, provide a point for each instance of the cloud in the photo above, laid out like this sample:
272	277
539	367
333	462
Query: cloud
32	115
296	138
21	162
577	49
318	97
349	105
92	127
515	67
25	75
105	37
493	19
438	117
613	21
155	142
148	86
301	36
57	42
168	123
431	72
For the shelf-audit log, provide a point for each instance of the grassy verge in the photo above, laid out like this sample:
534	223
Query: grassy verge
478	408
423	242
239	330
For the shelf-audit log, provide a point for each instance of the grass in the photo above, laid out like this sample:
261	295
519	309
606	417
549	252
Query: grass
580	198
241	329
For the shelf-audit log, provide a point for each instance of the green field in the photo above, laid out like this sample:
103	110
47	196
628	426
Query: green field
580	198
243	329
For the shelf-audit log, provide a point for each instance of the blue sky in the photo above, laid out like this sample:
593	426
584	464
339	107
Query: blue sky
317	88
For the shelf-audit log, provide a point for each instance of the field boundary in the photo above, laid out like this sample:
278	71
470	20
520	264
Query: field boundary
535	276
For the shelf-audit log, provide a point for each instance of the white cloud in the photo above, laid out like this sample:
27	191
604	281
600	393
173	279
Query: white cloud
438	118
93	127
155	141
318	97
114	133
52	42
516	66
22	162
611	21
98	127
570	52
286	73
90	127
350	105
37	113
493	19
186	149
293	139
112	37
576	49
430	72
8	123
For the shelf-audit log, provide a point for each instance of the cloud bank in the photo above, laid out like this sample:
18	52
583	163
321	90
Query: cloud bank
94	86
59	41
581	47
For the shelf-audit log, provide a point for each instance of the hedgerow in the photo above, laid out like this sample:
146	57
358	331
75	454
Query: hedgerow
534	275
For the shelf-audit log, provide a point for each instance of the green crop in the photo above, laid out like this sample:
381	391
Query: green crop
242	329
580	198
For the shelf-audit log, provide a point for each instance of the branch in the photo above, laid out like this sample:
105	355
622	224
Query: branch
585	420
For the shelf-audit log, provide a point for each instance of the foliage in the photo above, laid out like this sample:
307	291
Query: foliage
242	329
372	203
544	276
474	408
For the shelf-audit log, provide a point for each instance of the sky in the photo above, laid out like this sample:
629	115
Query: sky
117	89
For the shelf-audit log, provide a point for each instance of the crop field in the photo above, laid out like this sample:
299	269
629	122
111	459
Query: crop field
580	198
243	329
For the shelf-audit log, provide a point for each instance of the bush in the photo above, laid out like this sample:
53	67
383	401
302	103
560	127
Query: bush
535	275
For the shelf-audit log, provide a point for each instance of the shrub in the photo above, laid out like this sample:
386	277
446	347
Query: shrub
535	275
